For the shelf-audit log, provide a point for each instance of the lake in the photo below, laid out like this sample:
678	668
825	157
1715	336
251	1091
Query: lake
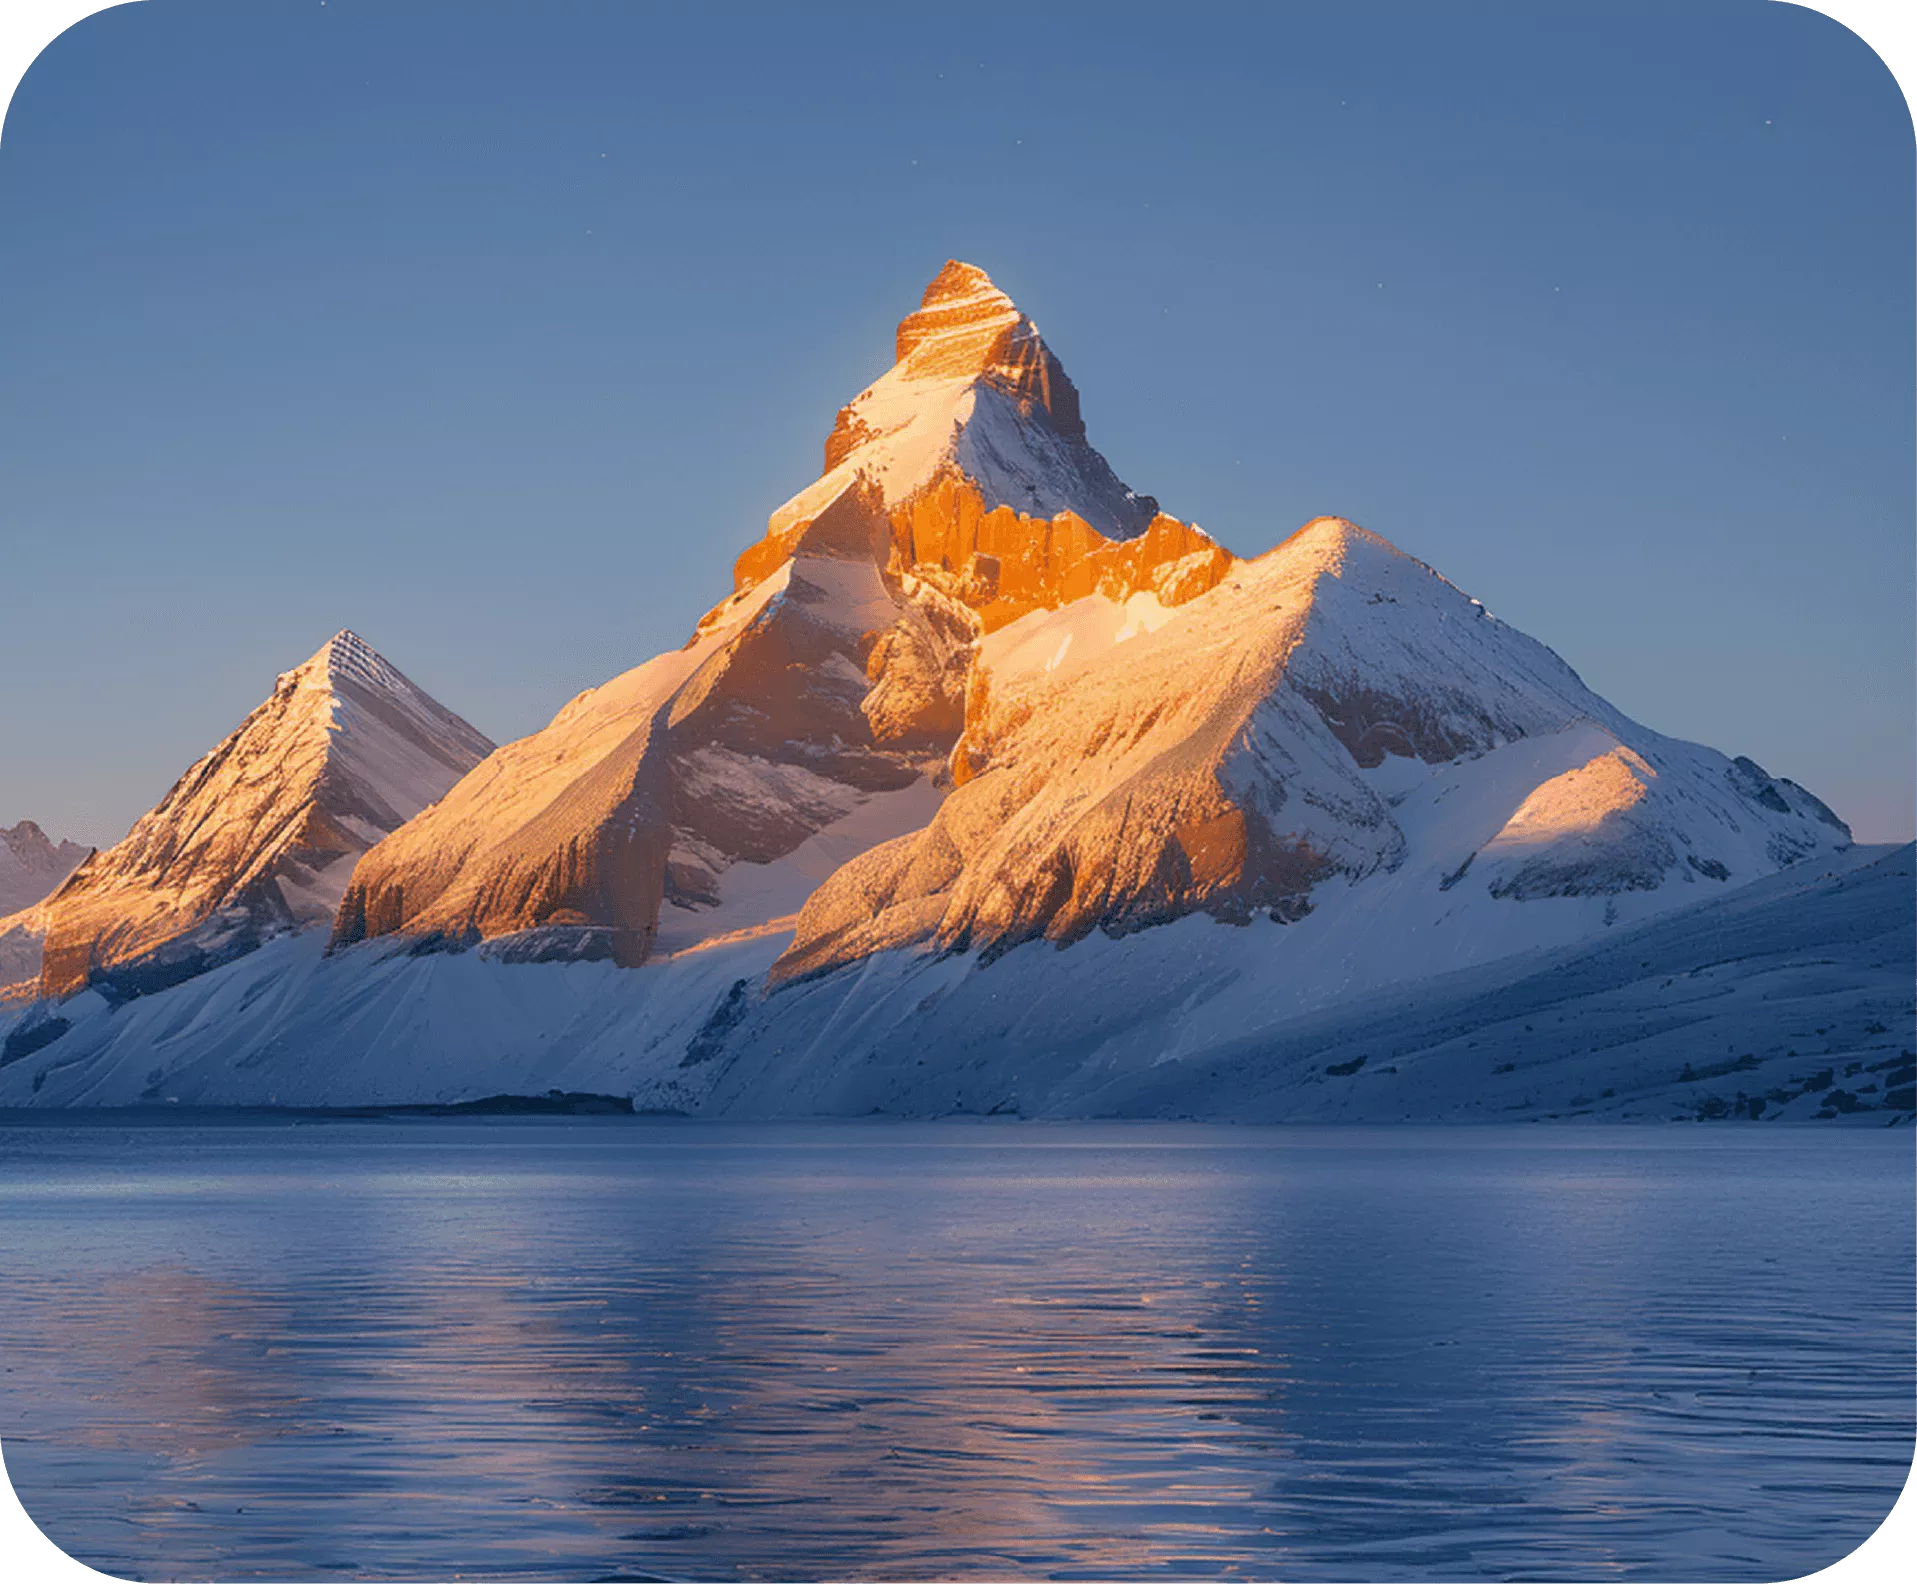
619	1348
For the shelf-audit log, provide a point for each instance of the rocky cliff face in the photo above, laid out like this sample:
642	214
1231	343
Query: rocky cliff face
959	493
32	865
794	703
261	834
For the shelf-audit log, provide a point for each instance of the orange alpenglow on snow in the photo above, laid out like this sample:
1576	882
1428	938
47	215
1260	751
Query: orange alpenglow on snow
970	695
975	445
970	690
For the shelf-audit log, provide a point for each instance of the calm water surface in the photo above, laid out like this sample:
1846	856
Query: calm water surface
623	1349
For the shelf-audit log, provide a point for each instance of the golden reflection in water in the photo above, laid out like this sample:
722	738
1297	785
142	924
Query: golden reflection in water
638	1350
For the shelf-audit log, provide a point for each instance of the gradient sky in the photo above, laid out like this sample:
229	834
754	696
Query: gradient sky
494	331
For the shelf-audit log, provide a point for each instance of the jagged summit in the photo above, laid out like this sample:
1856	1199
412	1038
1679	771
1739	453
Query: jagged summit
966	328
974	393
959	317
974	449
361	686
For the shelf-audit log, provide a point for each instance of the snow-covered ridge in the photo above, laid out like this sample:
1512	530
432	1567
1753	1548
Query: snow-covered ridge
1786	999
1284	738
797	700
261	833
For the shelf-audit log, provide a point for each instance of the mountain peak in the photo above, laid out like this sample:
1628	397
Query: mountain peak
974	397
958	279
957	329
260	834
966	330
347	657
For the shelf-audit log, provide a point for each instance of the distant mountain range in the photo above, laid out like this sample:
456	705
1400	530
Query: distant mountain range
984	759
32	864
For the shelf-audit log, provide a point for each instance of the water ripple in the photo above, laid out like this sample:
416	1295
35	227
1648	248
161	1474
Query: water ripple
609	1349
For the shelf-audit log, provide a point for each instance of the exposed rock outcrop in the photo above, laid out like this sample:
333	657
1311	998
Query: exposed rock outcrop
795	702
22	937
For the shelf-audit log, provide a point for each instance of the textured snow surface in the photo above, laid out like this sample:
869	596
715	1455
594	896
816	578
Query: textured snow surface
1795	987
1065	640
1758	990
763	899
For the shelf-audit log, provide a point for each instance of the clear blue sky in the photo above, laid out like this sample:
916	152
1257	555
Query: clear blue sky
493	331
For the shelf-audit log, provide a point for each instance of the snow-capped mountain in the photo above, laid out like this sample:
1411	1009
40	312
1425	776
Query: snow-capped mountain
818	704
992	787
32	865
260	835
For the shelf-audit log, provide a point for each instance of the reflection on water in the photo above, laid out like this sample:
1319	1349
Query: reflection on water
614	1349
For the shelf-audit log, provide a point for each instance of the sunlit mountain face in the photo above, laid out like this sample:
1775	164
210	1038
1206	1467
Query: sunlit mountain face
259	836
983	753
1141	725
959	495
